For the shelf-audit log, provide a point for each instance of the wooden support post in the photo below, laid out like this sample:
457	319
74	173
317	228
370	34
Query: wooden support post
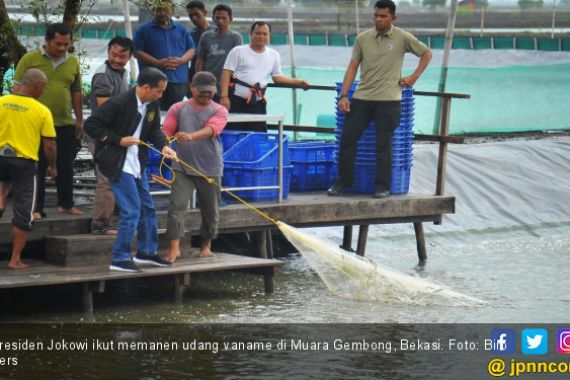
362	239
181	281
268	275
270	252
87	297
442	158
420	244
347	238
262	244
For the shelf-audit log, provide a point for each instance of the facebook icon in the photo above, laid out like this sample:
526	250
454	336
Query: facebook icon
502	342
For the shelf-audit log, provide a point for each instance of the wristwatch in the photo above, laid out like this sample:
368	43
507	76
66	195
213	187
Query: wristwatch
342	96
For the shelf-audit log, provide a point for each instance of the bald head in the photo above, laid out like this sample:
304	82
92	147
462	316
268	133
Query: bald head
33	83
34	76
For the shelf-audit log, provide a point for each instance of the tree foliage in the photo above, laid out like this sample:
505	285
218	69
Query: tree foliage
530	4
434	3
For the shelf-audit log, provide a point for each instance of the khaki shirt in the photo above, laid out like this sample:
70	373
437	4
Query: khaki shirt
381	58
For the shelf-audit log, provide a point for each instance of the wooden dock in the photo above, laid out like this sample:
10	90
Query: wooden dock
93	278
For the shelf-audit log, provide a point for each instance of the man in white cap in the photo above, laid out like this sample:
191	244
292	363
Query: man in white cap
196	123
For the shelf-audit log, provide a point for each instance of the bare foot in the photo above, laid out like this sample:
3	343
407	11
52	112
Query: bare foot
172	256
17	265
70	211
205	252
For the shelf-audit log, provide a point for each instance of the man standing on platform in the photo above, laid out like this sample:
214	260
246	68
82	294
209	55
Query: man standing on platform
214	45
380	51
119	127
110	79
63	91
196	123
167	45
197	14
24	122
244	79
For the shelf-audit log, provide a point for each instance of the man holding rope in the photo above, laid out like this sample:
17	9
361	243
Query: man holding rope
121	124
196	123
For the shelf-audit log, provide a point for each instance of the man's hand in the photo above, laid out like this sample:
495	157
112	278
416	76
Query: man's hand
303	83
175	62
225	101
52	172
79	129
166	64
183	136
169	153
408	81
344	104
127	141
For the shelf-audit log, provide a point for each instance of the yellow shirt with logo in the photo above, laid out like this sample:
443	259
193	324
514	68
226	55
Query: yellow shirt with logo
23	121
381	57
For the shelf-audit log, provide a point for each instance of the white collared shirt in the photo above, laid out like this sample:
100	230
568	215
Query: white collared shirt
132	163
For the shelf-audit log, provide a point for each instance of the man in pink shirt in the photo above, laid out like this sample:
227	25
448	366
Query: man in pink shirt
196	123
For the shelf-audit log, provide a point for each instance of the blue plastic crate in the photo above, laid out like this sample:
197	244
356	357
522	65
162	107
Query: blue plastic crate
257	150
400	179
311	151
364	175
153	157
246	177
312	175
230	138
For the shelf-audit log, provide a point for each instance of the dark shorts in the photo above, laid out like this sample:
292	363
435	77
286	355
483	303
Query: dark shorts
21	173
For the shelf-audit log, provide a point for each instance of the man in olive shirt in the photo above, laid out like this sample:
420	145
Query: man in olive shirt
380	53
63	91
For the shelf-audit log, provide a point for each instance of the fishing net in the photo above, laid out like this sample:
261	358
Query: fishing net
355	277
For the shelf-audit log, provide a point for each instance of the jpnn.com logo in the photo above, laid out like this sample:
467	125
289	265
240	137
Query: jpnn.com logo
534	341
502	342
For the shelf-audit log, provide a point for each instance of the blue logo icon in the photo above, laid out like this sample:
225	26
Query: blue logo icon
534	341
503	341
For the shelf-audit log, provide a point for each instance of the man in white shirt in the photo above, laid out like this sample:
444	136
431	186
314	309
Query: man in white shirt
244	78
120	125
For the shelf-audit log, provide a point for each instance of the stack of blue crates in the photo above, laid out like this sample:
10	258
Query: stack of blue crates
253	161
402	146
312	165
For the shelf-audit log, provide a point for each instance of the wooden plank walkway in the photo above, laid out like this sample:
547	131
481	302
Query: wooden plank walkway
94	277
300	209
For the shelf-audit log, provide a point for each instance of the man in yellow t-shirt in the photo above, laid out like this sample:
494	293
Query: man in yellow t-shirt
24	122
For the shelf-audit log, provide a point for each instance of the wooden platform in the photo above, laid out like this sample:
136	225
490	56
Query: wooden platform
94	277
300	209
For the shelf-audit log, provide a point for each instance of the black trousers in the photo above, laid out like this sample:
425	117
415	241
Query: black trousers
386	114
66	152
174	93
239	105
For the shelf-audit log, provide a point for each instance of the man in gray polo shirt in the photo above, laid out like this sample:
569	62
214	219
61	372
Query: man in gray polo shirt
380	51
110	79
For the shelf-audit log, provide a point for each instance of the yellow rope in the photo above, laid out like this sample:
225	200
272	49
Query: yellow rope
211	181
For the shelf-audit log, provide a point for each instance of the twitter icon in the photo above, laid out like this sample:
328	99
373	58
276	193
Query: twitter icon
534	341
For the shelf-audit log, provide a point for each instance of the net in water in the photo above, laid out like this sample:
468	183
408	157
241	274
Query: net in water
355	277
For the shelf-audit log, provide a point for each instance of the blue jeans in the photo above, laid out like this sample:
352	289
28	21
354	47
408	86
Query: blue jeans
137	214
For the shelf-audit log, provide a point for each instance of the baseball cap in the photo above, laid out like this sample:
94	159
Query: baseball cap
204	81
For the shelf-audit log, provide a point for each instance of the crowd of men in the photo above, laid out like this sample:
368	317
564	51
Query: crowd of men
197	75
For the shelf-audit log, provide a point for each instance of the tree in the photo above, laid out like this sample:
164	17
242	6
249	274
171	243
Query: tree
434	3
11	48
529	4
